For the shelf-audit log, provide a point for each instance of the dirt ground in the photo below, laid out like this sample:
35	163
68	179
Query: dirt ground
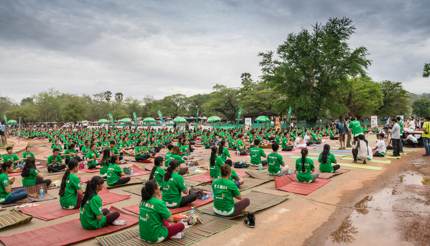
301	220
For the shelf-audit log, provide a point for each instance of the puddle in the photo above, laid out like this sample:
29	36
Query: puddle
396	215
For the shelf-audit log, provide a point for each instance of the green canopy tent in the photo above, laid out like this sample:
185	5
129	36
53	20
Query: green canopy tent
214	119
12	122
103	121
179	120
262	121
149	121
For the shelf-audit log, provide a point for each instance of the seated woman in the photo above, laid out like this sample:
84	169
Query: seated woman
70	153
215	164
30	174
326	160
154	216
287	144
380	148
360	149
70	189
105	161
234	177
174	185
8	196
141	152
157	171
276	163
240	145
175	154
92	156
224	190
305	167
115	175
27	153
92	215
223	151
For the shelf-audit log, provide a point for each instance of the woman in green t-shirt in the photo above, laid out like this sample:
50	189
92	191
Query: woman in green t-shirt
305	167
215	163
92	215
8	196
115	175
174	185
92	156
30	174
70	189
224	190
154	216
326	160
27	153
157	171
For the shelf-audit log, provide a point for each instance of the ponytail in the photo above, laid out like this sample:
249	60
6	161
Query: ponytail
221	147
148	190
30	163
213	156
325	153
70	166
91	189
157	163
304	153
172	166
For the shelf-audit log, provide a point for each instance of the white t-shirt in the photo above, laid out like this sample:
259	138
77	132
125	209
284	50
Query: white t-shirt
380	146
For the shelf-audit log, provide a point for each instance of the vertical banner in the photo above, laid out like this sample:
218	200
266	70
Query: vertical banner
290	110
248	123
373	121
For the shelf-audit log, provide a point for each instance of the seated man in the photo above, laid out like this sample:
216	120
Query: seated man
380	148
55	162
13	158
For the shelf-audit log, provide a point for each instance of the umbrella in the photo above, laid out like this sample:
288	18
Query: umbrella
125	120
11	122
103	121
214	119
262	119
180	120
149	120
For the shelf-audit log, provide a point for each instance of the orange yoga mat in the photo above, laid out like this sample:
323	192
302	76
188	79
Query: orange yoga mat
289	183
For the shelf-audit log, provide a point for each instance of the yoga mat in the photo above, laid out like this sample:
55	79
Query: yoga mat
29	199
133	181
65	233
197	203
259	175
53	210
137	171
330	175
259	201
13	218
94	170
373	160
315	158
288	183
361	166
210	226
200	178
249	183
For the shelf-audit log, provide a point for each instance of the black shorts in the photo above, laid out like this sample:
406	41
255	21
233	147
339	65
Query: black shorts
1	133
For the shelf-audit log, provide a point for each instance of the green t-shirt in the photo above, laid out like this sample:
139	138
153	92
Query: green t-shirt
355	127
58	159
307	174
113	174
70	198
30	180
89	213
27	154
10	157
327	167
151	216
159	175
275	161
225	154
4	182
172	189
90	156
172	157
233	175
256	153
215	170
223	192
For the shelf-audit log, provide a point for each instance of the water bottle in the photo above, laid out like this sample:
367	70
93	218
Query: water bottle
41	193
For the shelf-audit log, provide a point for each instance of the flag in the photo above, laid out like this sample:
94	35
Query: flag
289	113
135	118
110	117
160	115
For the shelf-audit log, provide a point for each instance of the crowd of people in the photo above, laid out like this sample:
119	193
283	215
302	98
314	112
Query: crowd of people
107	148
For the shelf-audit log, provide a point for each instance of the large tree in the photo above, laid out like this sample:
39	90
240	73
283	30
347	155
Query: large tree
426	72
396	99
363	97
421	107
312	66
223	102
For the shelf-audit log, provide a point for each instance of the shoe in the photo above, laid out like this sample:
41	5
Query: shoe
178	235
250	220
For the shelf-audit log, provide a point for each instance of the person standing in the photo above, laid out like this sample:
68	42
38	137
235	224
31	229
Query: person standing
426	136
348	135
342	129
401	124
395	138
3	139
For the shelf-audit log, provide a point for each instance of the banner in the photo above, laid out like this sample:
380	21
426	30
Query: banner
373	121
248	122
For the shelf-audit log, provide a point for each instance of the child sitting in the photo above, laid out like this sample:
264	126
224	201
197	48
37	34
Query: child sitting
30	174
380	148
70	189
55	162
115	175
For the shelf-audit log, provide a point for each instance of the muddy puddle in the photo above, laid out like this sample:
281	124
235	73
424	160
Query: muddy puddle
396	215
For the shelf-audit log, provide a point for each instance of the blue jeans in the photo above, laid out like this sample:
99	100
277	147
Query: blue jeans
16	195
426	142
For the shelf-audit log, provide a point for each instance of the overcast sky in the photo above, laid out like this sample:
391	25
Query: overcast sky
161	47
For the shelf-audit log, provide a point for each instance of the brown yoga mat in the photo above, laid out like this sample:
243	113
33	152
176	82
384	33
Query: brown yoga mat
331	175
210	225
249	183
259	201
13	218
260	175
